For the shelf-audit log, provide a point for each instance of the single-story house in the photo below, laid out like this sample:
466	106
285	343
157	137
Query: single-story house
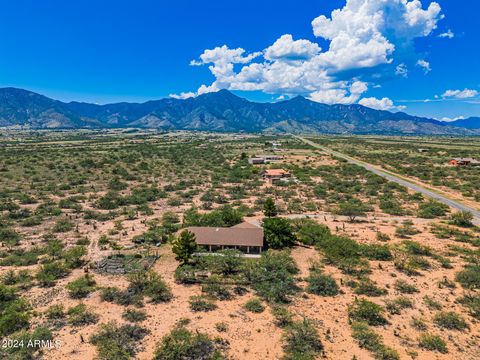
464	161
244	237
274	175
264	159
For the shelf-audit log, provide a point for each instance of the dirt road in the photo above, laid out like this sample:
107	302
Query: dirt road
399	180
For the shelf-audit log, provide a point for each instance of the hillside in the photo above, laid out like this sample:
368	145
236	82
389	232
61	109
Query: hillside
220	111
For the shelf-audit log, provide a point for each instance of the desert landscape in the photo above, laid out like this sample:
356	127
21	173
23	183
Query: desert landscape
100	258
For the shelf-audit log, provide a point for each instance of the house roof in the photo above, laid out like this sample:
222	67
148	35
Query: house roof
276	172
232	236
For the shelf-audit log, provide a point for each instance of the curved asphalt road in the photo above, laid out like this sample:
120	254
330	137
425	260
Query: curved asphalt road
398	180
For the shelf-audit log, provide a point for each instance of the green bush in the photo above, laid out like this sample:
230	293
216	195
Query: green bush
310	232
278	233
283	317
254	305
301	341
272	276
55	312
469	277
433	343
432	209
215	289
396	305
118	342
14	311
182	344
81	315
404	287
321	284
450	320
81	287
368	339
462	219
472	303
149	283
185	274
133	315
368	287
36	337
63	225
366	311
201	303
49	273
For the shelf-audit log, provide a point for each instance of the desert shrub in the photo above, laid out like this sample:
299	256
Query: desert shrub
185	274
415	248
391	206
382	236
55	312
215	289
462	219
432	343
74	257
370	340
310	232
282	316
221	327
322	284
81	315
343	252
36	337
404	287
368	287
49	273
230	262
472	303
396	305
125	298
272	277
432	209
81	287
254	305
377	252
301	341
278	233
151	284
352	208
182	344
450	320
63	225
118	342
21	279
469	277
366	311
133	315
406	230
201	303
225	216
14	311
418	323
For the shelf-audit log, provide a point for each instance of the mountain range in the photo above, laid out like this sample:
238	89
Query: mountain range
219	111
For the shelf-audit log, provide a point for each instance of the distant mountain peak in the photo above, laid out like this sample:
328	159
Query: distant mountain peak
219	111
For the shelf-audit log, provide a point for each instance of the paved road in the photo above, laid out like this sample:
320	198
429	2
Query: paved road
389	176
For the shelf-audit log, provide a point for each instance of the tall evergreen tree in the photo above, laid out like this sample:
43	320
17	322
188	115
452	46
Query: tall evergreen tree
269	208
184	246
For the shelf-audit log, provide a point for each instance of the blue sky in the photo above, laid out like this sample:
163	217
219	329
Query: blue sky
390	54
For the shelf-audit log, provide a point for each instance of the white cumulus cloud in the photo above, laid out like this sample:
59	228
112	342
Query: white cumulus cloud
460	94
448	34
380	104
367	39
425	65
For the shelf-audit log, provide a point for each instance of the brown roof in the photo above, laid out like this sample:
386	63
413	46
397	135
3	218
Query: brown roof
276	172
233	236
